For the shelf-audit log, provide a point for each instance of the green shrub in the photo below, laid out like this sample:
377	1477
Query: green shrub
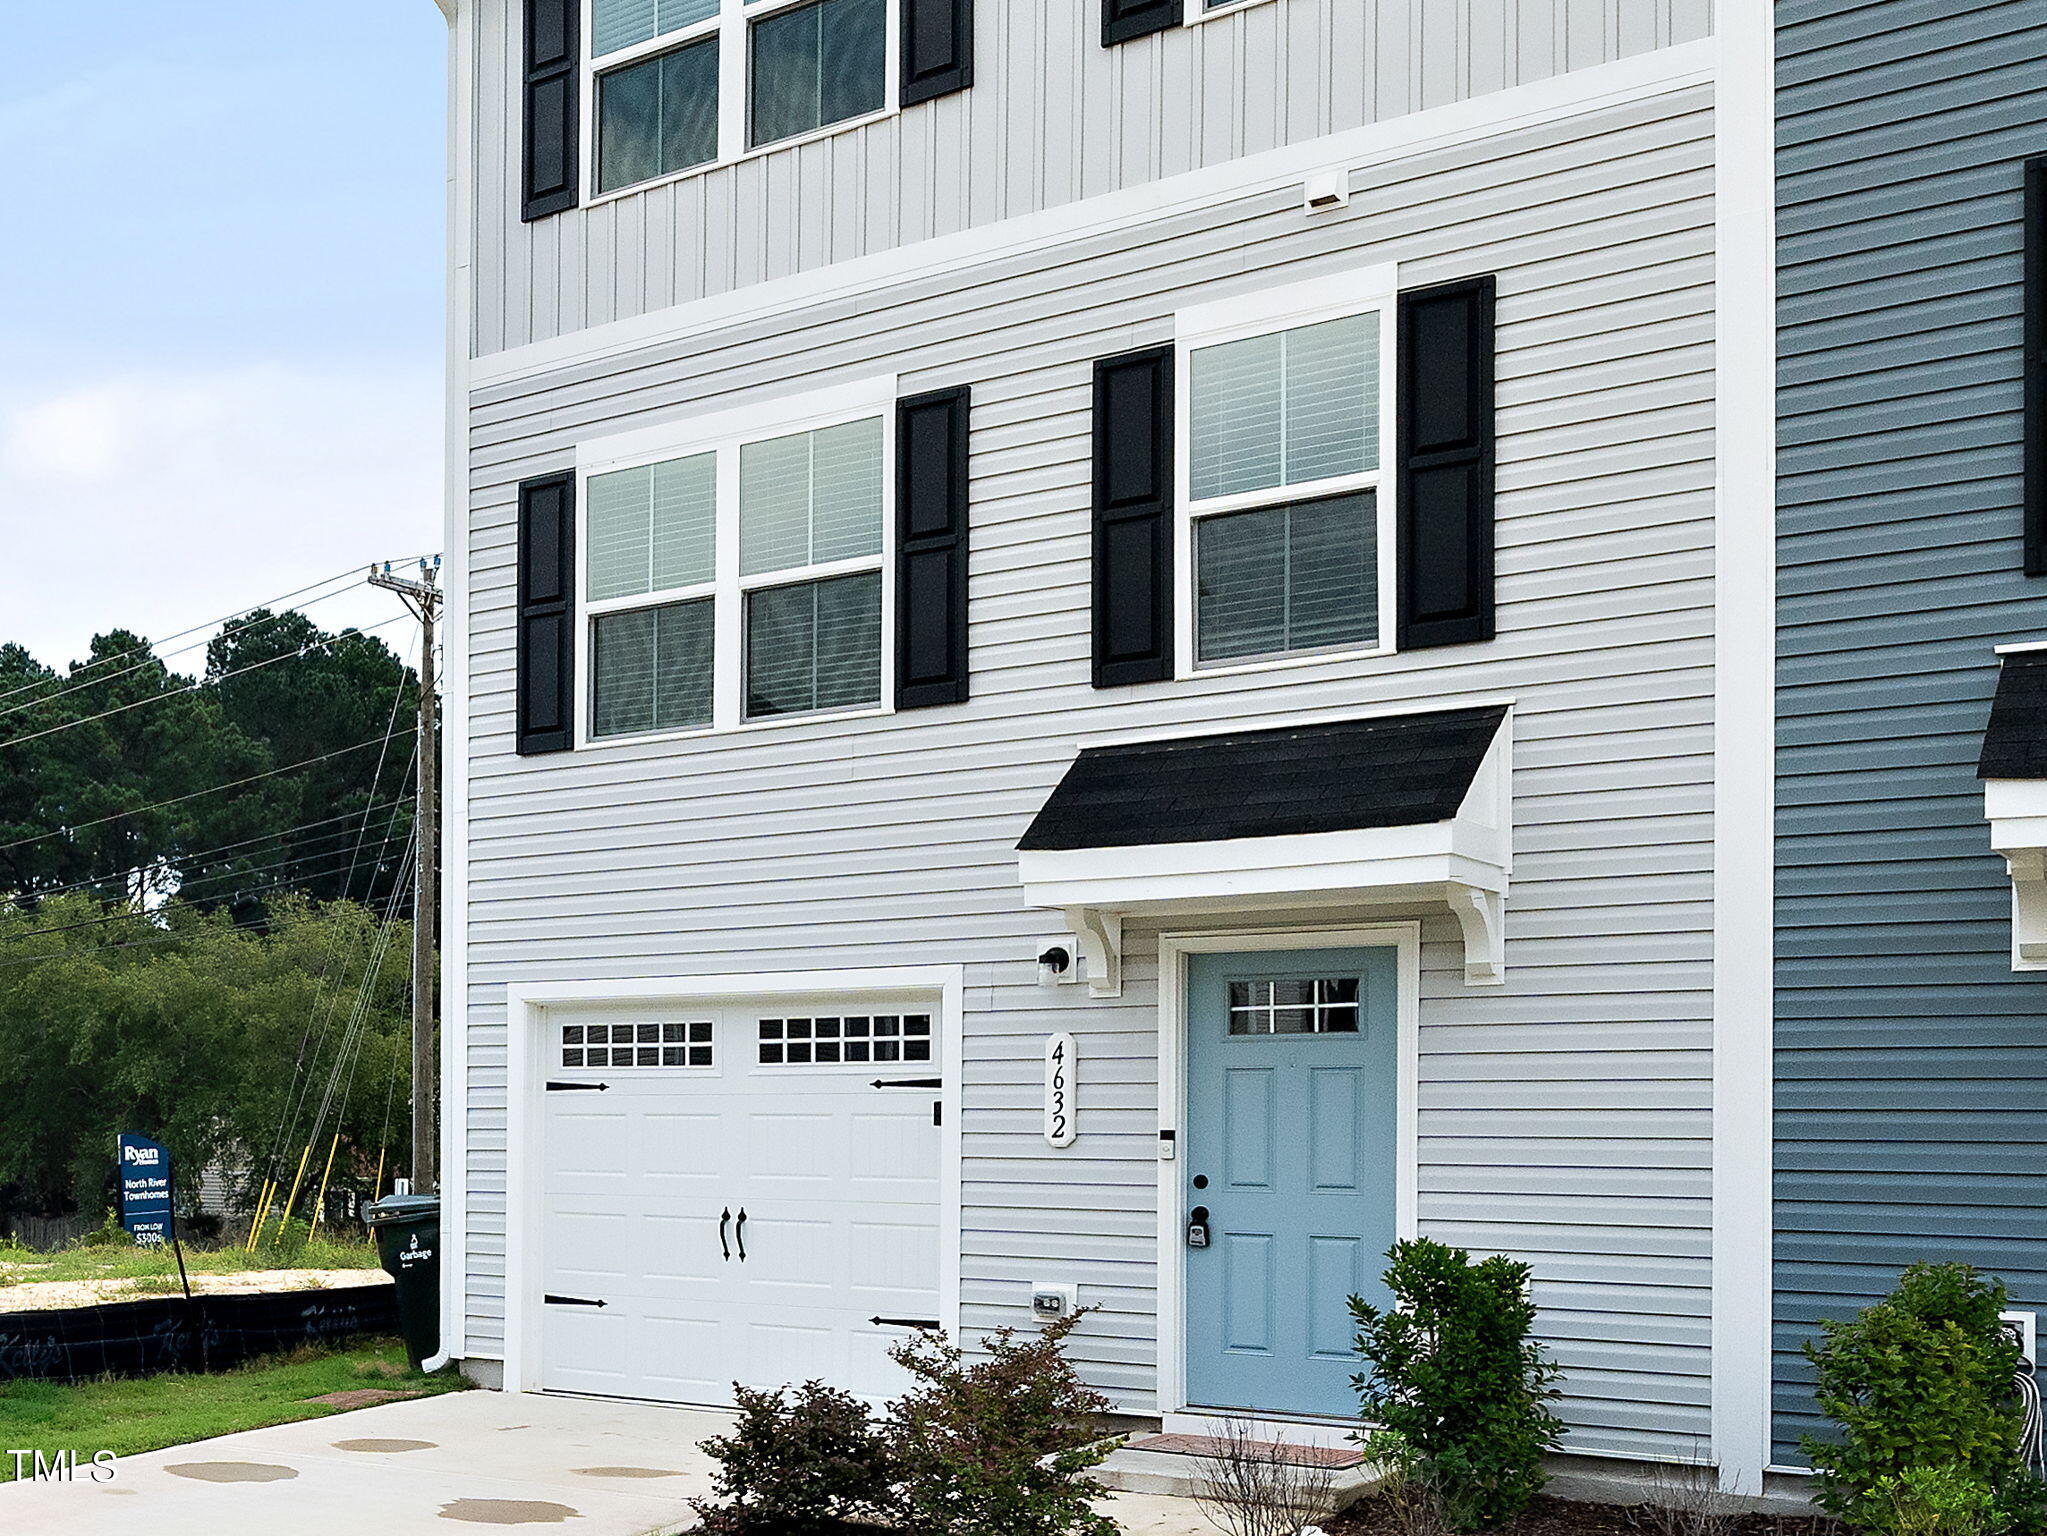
1001	1446
1921	1385
108	1234
1457	1392
799	1462
1941	1500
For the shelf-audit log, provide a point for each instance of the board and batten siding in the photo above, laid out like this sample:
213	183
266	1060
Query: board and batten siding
1564	1117
1053	117
1911	1060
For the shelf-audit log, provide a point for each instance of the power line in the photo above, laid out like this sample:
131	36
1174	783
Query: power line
206	855
351	575
197	794
194	687
159	657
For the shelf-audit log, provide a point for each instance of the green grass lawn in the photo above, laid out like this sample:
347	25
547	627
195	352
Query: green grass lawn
157	1268
151	1412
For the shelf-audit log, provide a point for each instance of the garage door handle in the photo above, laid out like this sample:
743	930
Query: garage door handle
724	1220
740	1233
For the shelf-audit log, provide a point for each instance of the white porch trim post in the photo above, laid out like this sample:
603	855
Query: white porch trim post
1744	798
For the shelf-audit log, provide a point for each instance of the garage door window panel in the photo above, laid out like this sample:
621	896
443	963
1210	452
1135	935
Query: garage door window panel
639	1044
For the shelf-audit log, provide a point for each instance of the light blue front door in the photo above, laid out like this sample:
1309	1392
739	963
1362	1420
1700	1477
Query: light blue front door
1292	1105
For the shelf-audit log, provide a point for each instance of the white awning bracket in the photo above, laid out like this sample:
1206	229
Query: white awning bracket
1100	937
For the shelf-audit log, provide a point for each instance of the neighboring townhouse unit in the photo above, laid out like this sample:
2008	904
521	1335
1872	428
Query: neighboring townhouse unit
1911	1087
1107	653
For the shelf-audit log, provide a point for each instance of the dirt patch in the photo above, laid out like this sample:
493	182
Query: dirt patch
1568	1517
361	1397
509	1512
55	1295
1333	1457
627	1472
386	1447
233	1471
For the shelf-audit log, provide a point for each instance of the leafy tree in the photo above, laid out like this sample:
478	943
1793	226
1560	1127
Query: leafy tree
209	1037
303	694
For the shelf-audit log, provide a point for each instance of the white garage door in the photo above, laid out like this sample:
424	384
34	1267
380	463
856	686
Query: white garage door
730	1197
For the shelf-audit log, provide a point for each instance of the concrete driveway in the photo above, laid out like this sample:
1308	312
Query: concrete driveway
476	1461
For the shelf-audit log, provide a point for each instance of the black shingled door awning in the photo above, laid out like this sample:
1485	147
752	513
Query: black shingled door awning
1346	775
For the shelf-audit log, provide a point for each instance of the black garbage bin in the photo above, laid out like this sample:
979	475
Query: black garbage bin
408	1229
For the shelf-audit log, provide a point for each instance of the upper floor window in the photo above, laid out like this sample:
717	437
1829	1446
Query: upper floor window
1288	522
679	84
741	576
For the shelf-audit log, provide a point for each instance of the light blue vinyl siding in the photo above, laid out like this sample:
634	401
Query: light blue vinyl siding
1911	1061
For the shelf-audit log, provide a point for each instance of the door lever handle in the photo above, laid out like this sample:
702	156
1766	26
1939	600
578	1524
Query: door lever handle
725	1220
740	1234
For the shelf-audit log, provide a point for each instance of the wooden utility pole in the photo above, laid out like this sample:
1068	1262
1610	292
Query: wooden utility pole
423	597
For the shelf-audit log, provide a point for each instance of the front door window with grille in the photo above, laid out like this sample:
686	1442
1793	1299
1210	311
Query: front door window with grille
1283	490
745	580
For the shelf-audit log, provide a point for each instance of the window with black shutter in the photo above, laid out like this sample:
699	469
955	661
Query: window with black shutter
2035	425
553	124
546	617
931	548
1133	518
1445	496
1125	20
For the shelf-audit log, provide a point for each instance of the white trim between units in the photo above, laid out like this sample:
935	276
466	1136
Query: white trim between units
1368	290
724	433
454	997
526	1009
1744	784
1174	948
1640	78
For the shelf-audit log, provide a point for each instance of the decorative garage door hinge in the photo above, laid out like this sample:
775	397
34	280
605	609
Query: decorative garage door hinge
578	1087
928	1323
908	1082
572	1301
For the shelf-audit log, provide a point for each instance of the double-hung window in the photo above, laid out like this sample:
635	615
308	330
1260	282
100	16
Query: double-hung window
680	84
1285	425
738	571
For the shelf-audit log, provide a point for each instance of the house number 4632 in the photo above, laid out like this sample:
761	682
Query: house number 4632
1062	1077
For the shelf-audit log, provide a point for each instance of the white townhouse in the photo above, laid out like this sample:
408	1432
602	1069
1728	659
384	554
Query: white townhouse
1109	652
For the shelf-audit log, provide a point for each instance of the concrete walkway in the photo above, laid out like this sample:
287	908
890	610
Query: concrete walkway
476	1461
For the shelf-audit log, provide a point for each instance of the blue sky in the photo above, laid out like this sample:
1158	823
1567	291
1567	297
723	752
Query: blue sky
221	335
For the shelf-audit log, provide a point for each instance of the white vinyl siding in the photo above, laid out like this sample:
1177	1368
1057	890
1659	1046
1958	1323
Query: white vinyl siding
1052	117
1565	1117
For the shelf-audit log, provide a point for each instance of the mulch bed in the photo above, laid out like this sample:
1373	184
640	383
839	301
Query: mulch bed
1568	1517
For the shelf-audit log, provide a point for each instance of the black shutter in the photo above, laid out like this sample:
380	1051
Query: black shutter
1123	20
547	650
554	56
931	549
1133	540
1446	464
938	48
2036	367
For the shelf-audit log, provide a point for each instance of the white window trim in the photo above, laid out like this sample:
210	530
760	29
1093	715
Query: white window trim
730	26
724	433
1196	12
1259	314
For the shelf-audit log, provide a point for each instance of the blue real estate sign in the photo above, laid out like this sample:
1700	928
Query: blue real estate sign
145	1170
